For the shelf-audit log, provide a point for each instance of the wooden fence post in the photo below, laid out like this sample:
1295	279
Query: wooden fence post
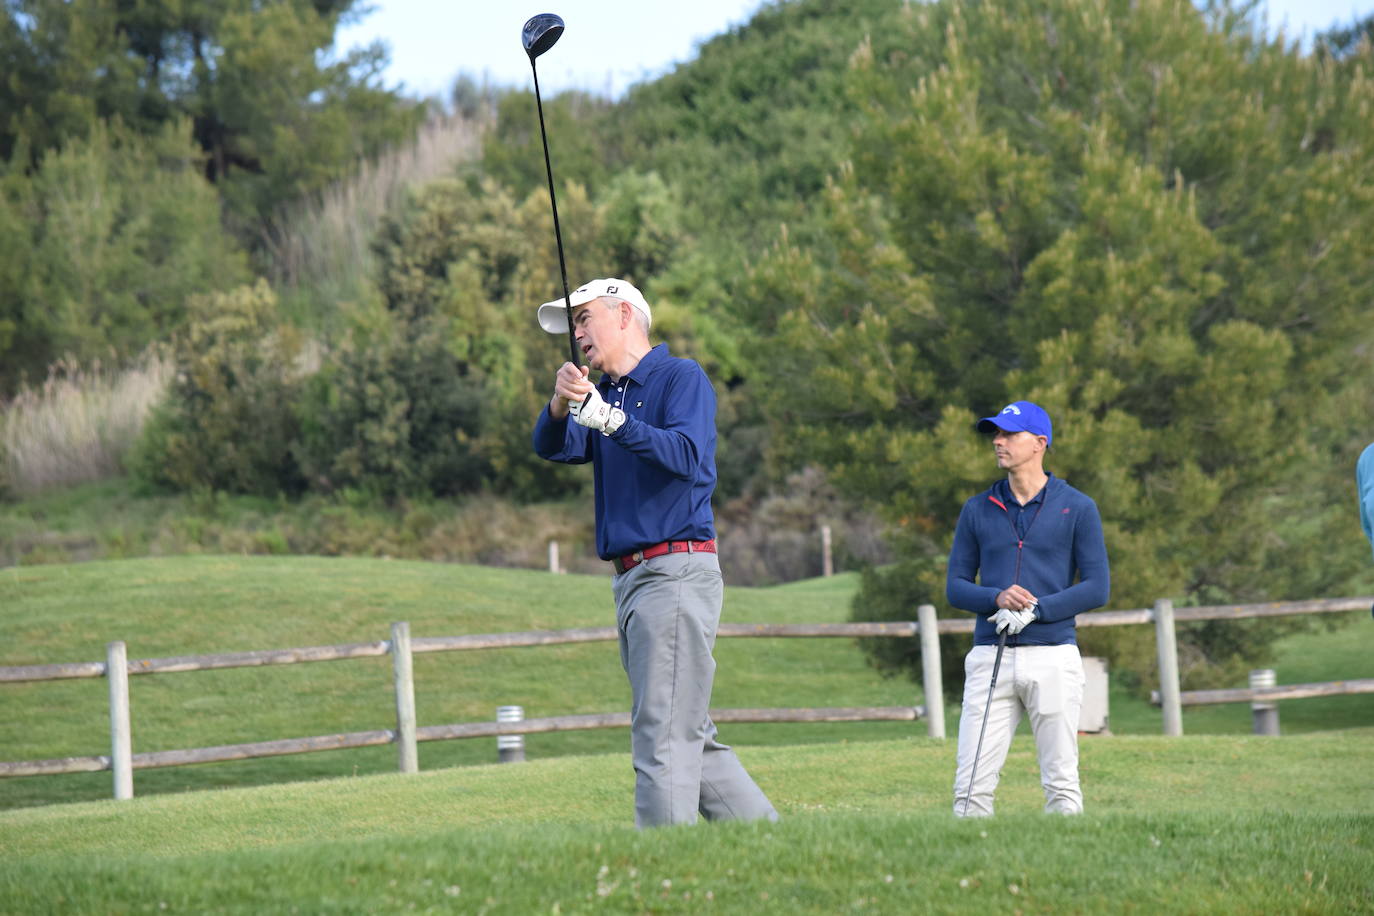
408	759
1167	644
554	565
121	742
931	675
827	557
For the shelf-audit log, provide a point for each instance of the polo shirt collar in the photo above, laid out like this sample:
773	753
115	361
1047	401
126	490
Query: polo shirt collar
1009	498
646	365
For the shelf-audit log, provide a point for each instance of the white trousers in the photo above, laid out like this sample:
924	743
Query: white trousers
1045	681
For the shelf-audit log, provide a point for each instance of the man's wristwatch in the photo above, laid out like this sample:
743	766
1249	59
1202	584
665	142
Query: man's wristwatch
614	421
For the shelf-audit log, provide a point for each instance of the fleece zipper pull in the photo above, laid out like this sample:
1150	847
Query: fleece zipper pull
1020	542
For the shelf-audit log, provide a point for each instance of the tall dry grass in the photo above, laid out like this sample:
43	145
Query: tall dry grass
324	244
78	425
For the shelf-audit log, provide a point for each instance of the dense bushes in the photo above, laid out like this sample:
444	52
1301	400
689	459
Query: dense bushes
872	222
394	412
131	135
102	245
276	112
229	420
1123	214
432	390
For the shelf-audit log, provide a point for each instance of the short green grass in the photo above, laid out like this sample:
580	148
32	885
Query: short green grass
191	605
203	604
1221	824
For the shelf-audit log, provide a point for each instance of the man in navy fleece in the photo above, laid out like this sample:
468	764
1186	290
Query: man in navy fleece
1018	548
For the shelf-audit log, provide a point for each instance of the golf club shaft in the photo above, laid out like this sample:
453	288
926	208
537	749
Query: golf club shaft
557	233
978	752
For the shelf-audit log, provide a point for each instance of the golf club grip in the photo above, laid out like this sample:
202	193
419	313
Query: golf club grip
572	336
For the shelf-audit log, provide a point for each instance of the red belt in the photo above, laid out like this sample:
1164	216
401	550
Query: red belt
630	561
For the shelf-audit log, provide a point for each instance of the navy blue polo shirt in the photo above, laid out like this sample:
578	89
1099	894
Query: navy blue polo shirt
1022	514
654	477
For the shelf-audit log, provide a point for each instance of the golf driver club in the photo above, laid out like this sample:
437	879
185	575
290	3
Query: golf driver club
539	34
996	664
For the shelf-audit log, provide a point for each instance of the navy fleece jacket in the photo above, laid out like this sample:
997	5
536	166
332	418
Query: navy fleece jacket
1060	540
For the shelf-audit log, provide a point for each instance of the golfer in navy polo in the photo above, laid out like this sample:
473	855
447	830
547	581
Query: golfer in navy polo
648	427
1028	556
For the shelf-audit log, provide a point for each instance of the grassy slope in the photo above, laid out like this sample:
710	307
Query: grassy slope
188	605
1200	824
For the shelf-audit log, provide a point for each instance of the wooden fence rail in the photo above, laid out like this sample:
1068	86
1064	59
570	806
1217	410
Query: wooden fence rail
288	746
183	663
1271	694
117	669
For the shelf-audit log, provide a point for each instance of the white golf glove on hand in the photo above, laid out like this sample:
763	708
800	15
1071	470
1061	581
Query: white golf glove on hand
595	413
1013	621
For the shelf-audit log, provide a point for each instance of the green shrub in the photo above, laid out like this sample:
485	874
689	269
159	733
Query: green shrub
1145	222
643	223
393	413
460	280
101	246
229	420
894	593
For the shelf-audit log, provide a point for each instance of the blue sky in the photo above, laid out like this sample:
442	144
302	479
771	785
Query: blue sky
611	44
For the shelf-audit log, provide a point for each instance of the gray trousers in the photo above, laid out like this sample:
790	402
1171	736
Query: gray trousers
667	610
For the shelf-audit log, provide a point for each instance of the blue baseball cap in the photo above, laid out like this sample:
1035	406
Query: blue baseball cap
1019	416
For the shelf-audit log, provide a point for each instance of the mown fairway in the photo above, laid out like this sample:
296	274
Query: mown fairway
1197	824
194	605
1206	823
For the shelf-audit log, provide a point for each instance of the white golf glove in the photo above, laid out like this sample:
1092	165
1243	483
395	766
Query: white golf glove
1013	621
595	413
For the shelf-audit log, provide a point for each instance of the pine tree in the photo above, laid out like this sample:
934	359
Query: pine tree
1152	224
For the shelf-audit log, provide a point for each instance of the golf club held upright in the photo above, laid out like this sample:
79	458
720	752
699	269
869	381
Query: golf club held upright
538	35
978	751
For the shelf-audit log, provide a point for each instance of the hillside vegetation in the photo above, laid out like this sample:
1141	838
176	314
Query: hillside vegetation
145	148
871	222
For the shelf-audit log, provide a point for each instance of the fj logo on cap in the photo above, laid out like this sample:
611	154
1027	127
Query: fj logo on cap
612	289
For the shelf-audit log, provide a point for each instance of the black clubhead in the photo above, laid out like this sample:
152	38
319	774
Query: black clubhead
541	33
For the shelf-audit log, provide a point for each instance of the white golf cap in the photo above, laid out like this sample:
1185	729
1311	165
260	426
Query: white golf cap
553	315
